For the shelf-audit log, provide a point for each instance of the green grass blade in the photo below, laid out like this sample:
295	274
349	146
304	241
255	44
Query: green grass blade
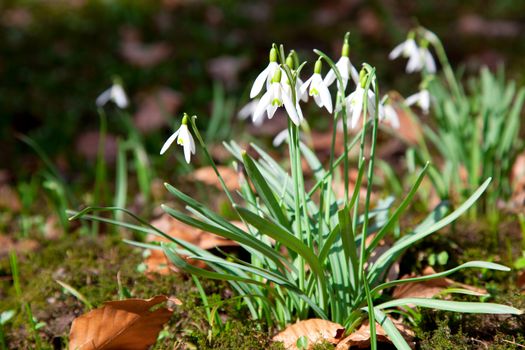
455	306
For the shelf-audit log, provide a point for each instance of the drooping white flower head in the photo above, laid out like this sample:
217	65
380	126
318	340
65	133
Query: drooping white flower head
318	88
407	48
247	111
421	99
275	97
387	113
419	57
344	66
116	94
354	102
423	60
184	138
266	75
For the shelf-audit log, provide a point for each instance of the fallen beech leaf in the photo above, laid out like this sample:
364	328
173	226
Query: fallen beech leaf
22	246
361	337
207	175
9	199
124	324
88	142
135	52
315	330
155	107
157	262
430	288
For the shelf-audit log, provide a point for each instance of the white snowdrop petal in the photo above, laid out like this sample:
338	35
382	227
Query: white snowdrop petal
325	96
412	99
119	96
280	138
397	51
103	98
305	85
261	106
169	141
270	111
259	82
290	108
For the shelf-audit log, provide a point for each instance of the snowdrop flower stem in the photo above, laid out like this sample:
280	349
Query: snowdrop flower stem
100	167
209	157
443	59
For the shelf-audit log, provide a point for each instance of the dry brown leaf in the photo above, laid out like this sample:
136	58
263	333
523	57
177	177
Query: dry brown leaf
361	337
22	246
137	53
129	324
9	199
155	107
315	330
157	262
207	175
87	145
430	288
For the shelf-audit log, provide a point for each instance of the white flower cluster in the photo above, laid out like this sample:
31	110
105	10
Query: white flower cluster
279	92
419	60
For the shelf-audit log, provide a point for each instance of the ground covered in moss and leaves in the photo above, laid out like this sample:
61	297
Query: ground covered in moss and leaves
104	268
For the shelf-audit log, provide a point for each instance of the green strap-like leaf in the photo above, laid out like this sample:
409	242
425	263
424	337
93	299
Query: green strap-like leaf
456	306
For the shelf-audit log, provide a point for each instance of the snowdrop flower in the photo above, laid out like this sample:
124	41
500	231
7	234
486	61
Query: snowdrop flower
298	82
354	101
421	98
419	57
318	88
345	67
266	75
283	136
184	138
275	97
116	94
407	48
247	111
388	113
422	60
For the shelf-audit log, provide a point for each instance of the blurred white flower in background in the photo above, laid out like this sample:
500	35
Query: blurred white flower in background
116	94
421	99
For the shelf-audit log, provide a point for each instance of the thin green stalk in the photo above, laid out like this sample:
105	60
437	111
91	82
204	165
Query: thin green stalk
370	177
100	172
18	290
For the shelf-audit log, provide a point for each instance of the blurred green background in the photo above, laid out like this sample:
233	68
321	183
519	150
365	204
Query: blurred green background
57	56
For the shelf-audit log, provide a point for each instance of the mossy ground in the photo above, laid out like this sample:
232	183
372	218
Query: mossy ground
91	265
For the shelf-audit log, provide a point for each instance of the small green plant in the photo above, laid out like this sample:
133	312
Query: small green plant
474	127
310	251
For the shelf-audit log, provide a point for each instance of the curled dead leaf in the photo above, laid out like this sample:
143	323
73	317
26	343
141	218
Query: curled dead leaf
430	288
157	262
315	330
361	337
131	324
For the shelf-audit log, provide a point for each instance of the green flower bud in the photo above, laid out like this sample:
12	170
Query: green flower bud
345	52
290	61
318	66
185	119
363	75
273	55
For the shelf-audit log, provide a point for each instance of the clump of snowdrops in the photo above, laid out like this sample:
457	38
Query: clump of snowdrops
310	250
